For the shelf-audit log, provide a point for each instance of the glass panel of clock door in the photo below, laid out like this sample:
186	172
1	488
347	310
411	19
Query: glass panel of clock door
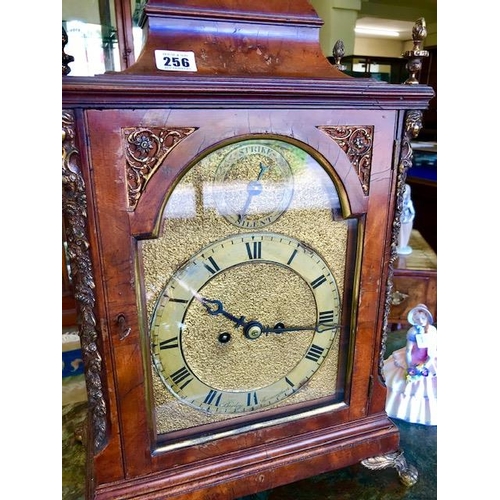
246	293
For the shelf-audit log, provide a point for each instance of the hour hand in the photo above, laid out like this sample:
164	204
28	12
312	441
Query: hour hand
215	307
321	327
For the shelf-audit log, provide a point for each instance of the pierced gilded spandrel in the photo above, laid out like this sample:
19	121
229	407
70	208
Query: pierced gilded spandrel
145	150
357	144
192	220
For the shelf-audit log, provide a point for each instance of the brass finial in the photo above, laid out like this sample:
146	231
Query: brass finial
414	56
338	53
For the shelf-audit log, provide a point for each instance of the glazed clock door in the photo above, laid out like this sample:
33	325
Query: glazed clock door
244	299
234	257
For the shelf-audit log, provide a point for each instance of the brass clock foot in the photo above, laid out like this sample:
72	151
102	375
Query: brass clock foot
408	474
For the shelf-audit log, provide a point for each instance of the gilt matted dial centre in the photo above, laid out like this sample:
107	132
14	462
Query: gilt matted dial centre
220	325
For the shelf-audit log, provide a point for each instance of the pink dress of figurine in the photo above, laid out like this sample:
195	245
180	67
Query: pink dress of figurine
411	372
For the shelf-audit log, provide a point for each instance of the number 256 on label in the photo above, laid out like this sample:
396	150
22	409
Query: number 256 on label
174	60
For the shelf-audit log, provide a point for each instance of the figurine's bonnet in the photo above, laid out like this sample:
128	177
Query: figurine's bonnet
421	308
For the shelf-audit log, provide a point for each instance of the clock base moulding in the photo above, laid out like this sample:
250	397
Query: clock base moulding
271	465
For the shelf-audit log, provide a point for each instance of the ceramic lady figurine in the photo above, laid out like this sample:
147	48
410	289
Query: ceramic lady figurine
407	216
411	372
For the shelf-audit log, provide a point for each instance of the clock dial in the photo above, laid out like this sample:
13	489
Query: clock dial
217	351
242	316
260	181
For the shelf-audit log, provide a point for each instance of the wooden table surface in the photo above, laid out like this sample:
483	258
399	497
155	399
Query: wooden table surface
414	281
422	256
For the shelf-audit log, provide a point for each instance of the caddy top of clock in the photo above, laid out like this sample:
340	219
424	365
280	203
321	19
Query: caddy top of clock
231	205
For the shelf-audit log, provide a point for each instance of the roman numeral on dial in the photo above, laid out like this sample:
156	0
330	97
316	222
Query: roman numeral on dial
314	353
292	257
181	375
318	281
215	268
213	397
254	250
252	399
326	317
172	343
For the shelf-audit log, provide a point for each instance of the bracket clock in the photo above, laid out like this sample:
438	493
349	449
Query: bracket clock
231	205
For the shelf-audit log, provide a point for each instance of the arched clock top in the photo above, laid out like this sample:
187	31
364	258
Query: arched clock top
339	163
270	170
229	37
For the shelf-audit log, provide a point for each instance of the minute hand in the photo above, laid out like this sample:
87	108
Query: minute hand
322	327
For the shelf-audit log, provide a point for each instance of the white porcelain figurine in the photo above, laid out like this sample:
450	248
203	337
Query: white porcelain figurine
407	216
411	372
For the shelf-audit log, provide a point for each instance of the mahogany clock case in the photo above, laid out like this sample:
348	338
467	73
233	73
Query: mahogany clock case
230	349
356	139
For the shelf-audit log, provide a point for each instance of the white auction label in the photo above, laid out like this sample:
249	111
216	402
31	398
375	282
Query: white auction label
422	340
175	60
